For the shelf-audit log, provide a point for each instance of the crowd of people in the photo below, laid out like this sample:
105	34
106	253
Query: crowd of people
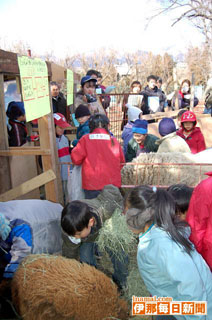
173	225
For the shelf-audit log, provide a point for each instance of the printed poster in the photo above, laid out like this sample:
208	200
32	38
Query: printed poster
70	87
35	87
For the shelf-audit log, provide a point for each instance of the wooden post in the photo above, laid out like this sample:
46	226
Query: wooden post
5	181
48	141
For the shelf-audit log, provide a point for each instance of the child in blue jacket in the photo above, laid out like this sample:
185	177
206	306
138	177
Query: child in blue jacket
168	262
82	114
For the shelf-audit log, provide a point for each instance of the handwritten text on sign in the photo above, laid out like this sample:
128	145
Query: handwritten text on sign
35	87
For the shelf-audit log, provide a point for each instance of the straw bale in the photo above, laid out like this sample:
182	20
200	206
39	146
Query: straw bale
50	287
153	174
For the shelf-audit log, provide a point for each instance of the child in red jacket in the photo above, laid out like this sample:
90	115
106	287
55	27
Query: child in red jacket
199	217
190	133
100	155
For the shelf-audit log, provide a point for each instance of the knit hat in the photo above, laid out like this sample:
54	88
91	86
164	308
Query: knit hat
133	113
82	111
15	109
140	126
166	126
4	227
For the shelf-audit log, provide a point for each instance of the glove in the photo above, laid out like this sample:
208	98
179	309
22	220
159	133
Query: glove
33	138
4	227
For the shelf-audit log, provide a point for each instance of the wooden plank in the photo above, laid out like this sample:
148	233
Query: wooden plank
5	179
48	141
18	151
28	186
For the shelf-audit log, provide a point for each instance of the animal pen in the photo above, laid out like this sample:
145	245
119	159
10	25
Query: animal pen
20	177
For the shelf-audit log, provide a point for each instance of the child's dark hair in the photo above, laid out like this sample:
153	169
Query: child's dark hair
99	120
182	196
180	113
148	206
151	77
91	72
75	217
14	112
135	82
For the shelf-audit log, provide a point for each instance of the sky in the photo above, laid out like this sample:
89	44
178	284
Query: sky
82	26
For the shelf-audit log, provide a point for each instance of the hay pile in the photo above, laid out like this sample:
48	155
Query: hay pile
50	287
154	174
116	236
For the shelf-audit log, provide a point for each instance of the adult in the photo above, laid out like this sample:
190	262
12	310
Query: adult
154	100
170	141
59	103
87	95
199	217
184	95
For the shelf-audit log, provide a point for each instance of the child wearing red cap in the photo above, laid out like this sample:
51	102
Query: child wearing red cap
190	133
63	150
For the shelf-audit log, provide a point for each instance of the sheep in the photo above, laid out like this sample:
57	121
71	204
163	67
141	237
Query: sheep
153	174
47	287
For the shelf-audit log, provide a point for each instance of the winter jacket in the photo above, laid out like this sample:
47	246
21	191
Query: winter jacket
103	207
59	104
184	100
127	135
195	140
63	155
101	160
94	107
168	271
81	131
172	143
35	228
17	133
199	217
155	93
133	148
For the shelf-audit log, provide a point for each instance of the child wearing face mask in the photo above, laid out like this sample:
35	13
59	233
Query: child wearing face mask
184	95
87	95
190	133
135	100
154	100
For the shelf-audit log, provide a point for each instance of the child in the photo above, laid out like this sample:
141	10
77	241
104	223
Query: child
170	141
136	98
81	222
190	133
141	142
154	99
101	157
168	262
17	130
184	95
127	134
82	114
179	116
199	217
182	196
87	95
63	150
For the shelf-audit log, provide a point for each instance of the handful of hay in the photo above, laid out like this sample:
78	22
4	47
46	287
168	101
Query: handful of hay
116	236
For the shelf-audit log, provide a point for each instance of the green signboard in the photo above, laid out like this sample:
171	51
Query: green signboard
70	87
35	87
